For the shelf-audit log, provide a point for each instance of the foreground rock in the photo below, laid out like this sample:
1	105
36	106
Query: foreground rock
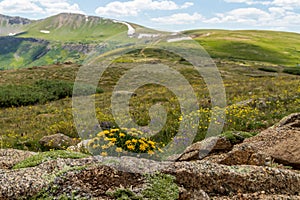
9	157
281	142
92	178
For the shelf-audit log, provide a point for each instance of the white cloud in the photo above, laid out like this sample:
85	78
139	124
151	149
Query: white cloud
134	7
47	7
271	18
59	6
180	18
250	2
287	3
19	6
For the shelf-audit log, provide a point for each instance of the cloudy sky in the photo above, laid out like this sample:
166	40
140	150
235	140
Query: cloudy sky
172	14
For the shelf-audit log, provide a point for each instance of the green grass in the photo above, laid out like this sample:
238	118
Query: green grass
281	48
39	158
74	27
272	96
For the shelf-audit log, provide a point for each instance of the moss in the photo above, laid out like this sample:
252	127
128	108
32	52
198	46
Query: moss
237	136
124	194
161	186
45	156
158	186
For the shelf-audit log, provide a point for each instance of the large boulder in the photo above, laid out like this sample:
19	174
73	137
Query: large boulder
281	142
244	154
201	149
57	141
10	157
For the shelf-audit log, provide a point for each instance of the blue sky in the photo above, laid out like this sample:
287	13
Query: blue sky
172	15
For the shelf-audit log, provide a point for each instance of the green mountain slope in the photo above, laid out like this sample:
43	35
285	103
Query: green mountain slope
57	39
280	48
73	27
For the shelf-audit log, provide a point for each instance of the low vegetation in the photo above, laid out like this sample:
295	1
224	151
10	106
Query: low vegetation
41	157
42	91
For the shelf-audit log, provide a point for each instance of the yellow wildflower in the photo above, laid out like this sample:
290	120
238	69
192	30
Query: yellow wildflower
114	130
134	140
122	135
150	152
142	147
101	134
130	147
119	150
104	154
113	139
128	142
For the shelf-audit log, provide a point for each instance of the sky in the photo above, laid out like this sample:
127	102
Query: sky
172	15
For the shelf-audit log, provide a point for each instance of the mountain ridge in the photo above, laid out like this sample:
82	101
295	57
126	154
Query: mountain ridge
71	37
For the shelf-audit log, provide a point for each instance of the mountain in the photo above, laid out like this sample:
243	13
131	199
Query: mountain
68	27
12	25
70	37
60	38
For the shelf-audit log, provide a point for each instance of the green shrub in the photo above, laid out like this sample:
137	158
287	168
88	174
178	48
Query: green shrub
41	91
292	70
267	69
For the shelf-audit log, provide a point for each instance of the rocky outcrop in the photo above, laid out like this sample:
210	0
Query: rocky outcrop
224	180
203	148
239	172
13	20
92	178
9	157
280	142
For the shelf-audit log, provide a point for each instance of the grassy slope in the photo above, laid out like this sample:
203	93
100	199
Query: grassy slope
74	28
64	29
280	48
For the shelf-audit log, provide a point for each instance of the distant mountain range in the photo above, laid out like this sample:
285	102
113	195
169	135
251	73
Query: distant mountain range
70	37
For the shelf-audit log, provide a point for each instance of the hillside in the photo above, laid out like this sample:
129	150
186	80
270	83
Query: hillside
70	37
73	28
281	48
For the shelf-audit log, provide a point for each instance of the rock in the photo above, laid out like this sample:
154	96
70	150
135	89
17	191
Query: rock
57	141
222	180
279	143
258	103
192	195
80	147
244	154
287	152
201	149
92	178
10	157
292	120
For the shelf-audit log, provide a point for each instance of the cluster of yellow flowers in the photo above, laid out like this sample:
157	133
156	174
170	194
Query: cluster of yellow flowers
122	141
